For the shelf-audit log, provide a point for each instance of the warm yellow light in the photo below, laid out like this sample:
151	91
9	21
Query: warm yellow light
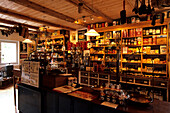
92	32
76	22
27	41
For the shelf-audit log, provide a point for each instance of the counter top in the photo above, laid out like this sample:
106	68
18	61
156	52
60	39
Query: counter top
155	107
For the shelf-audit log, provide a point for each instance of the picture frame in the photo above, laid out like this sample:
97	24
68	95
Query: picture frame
81	35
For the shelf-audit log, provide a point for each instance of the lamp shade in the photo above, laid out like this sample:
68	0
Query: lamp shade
27	41
92	32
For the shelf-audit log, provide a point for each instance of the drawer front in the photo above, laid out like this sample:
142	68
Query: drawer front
84	80
103	76
124	79
93	82
160	84
94	75
29	101
112	77
84	74
139	81
102	82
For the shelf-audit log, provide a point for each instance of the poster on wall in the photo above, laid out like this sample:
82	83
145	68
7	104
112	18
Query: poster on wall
23	47
81	36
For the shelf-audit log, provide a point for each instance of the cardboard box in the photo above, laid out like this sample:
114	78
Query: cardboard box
161	41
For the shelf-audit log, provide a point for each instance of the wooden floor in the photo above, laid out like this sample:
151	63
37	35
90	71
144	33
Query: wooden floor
7	100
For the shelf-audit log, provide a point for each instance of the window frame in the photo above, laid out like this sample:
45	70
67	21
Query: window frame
17	50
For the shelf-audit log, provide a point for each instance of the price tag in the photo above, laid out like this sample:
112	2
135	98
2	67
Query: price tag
145	82
162	84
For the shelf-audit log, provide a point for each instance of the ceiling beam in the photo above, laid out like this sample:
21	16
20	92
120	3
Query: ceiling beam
16	23
91	10
43	9
9	12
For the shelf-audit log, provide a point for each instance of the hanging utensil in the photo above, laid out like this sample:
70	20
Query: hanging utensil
142	9
123	14
149	11
136	9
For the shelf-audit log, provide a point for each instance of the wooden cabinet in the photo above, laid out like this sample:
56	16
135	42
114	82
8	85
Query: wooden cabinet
29	101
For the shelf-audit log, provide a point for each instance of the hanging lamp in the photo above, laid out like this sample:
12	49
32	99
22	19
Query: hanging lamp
92	32
27	41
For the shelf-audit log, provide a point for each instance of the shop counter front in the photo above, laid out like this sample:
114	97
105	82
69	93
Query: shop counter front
45	100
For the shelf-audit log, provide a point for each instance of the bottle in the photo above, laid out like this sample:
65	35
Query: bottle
102	95
132	42
144	32
164	30
123	43
129	42
154	31
147	32
126	42
139	40
150	32
158	31
135	42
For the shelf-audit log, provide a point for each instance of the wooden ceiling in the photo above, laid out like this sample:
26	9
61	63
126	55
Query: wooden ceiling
59	14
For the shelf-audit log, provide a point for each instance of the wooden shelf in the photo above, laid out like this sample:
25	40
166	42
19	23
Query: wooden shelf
103	79
110	61
97	54
141	24
155	54
153	44
84	76
97	46
133	70
132	62
131	54
154	35
154	72
55	44
57	37
110	54
94	77
131	37
96	60
156	63
132	45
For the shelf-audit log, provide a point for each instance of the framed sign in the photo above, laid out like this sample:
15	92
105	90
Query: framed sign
81	36
23	47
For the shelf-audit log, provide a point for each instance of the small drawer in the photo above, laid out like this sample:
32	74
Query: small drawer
127	79
93	81
84	80
139	81
103	76
84	74
113	77
102	82
94	75
159	83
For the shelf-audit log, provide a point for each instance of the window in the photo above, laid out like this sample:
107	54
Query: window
9	52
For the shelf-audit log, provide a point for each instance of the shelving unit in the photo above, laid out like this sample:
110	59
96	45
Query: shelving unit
140	71
53	48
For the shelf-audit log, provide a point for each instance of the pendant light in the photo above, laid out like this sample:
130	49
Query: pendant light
92	32
28	41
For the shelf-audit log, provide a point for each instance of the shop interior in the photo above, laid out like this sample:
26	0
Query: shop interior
89	56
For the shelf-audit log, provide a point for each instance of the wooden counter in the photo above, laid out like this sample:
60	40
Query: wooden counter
50	101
